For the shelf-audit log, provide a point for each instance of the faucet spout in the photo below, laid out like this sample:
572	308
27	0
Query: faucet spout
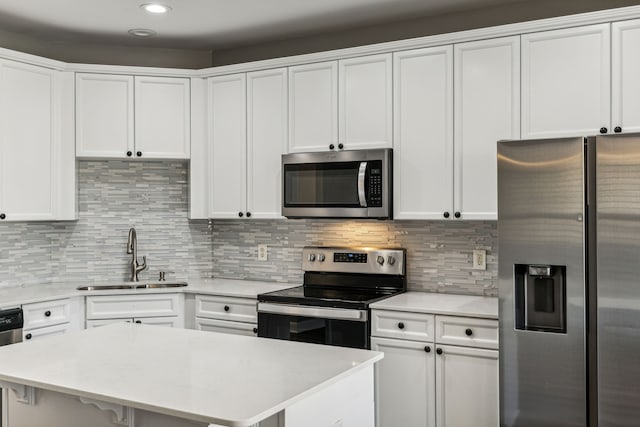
132	249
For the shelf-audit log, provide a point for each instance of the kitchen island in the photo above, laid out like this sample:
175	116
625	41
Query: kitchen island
143	376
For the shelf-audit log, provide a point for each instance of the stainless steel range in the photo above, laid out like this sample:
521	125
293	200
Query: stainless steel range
332	305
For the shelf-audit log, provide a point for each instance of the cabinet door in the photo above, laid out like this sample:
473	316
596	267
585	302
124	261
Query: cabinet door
103	322
566	82
226	327
365	102
466	387
313	107
423	127
29	142
104	116
227	121
487	109
163	117
404	382
625	84
266	141
170	322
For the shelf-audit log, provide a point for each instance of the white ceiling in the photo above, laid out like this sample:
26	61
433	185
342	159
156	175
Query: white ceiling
210	24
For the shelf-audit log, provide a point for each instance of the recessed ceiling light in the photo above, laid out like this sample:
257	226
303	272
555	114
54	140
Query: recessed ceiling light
142	32
155	8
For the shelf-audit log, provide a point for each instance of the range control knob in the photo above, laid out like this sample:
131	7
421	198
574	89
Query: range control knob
312	257
321	257
391	260
380	260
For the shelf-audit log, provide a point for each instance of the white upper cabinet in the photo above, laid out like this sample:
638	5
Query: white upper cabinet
163	117
487	109
313	107
37	162
119	116
423	127
625	105
365	102
266	141
227	130
566	82
104	114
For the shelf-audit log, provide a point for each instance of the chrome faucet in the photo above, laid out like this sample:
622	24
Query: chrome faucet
132	248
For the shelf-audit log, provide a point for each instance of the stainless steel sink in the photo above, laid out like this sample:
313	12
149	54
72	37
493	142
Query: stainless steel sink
153	285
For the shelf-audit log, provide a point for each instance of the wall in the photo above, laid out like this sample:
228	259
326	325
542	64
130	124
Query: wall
424	26
113	196
439	252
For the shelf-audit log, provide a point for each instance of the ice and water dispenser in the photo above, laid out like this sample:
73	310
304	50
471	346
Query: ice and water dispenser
540	298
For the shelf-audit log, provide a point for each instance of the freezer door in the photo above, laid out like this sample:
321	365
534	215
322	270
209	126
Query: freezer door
541	225
618	277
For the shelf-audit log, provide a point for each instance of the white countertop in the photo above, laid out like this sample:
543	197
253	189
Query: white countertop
447	304
202	376
16	295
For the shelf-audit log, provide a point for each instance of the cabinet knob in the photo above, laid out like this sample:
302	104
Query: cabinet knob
2	216
331	146
439	351
255	330
138	321
240	214
427	349
469	332
28	336
47	313
226	308
341	146
401	325
139	153
248	214
603	130
617	129
446	214
129	154
457	214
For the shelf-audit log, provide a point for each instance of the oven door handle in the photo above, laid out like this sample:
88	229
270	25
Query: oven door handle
317	312
362	175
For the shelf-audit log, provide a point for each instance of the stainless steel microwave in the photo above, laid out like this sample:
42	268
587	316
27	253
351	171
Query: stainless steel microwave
343	184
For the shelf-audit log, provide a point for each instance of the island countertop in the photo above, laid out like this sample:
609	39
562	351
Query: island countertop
201	376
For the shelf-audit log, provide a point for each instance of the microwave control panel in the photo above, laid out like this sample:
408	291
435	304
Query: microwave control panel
375	185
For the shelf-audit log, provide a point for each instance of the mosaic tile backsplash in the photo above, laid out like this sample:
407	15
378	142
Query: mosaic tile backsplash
152	197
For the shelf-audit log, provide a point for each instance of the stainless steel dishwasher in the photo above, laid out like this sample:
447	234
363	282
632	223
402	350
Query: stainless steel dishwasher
11	322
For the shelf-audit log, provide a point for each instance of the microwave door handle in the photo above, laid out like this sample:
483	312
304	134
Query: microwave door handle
362	174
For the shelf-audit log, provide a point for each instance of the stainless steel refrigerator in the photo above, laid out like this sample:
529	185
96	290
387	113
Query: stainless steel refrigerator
569	281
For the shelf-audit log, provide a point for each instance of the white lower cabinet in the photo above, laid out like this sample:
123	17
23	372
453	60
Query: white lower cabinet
52	317
422	382
150	309
230	315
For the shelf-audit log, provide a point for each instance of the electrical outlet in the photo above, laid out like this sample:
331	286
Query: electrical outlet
262	252
479	259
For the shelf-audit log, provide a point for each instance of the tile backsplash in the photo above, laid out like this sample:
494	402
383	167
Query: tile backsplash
153	197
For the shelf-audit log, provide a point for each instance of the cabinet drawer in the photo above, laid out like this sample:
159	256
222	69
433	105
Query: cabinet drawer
48	331
227	327
121	306
466	331
402	325
47	313
226	308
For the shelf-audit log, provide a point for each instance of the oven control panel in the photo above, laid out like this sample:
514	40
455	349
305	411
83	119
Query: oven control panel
354	260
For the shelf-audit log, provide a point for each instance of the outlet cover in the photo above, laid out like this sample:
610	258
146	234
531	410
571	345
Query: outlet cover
262	252
479	259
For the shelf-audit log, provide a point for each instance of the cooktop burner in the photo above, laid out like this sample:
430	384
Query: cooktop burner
328	297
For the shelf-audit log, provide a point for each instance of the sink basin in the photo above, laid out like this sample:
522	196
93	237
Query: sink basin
154	285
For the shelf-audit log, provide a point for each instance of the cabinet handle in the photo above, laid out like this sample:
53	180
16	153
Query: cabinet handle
469	332
331	146
457	214
341	146
28	336
240	214
439	351
603	130
446	214
139	153
138	321
2	216
617	129
401	325
248	214
427	349
255	330
129	154
226	308
47	313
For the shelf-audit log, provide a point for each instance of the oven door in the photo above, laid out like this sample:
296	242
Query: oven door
319	325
